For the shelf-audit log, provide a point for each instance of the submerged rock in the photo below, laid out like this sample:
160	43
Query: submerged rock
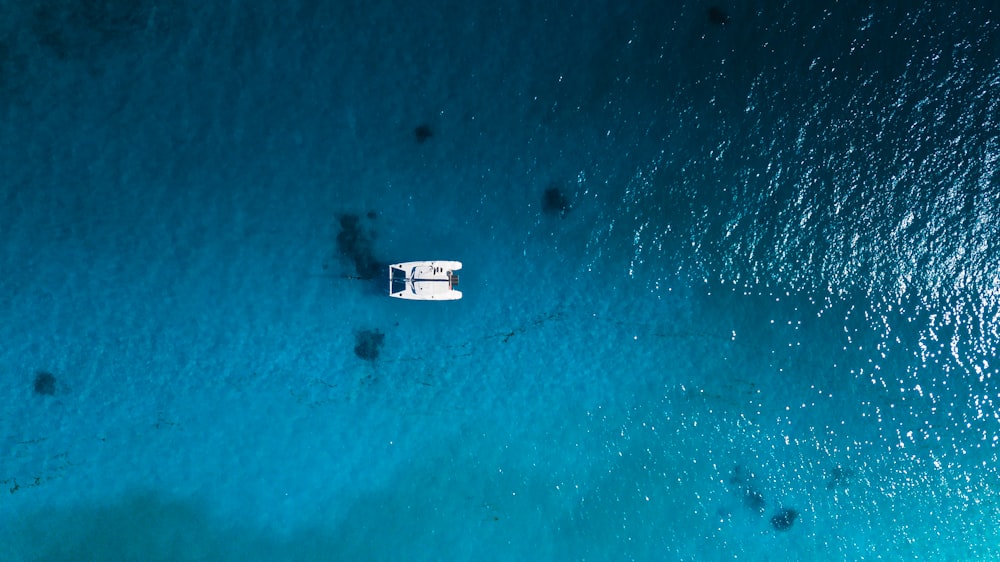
357	243
717	16
753	499
783	520
45	383
368	344
554	202
423	133
839	478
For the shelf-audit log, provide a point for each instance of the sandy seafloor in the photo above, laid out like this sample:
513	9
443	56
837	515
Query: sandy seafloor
775	287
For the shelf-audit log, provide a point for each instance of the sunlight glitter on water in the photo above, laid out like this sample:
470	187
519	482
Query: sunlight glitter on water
871	217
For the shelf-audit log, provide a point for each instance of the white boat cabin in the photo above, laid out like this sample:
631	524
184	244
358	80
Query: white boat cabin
425	280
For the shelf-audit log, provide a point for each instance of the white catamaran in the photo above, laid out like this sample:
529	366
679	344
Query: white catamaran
425	280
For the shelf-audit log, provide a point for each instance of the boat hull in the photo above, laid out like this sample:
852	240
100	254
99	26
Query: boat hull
425	280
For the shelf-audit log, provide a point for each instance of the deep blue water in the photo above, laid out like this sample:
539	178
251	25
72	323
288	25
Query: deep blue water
764	326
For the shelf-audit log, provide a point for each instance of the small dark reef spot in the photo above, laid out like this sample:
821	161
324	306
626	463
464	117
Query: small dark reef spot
783	520
45	383
743	481
738	478
554	202
839	478
423	132
717	16
83	29
753	500
368	343
357	243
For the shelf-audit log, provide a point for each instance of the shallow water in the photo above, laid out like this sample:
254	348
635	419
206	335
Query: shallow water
775	287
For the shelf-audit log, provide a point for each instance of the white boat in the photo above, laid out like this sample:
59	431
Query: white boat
425	280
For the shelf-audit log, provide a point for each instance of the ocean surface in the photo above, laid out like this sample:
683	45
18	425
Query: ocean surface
731	280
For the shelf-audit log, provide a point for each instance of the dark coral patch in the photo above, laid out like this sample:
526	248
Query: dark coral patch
45	383
753	499
743	482
368	344
839	478
357	244
717	16
80	29
555	202
423	133
783	520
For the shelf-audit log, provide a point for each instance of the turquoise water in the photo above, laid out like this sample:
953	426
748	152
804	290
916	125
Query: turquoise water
764	327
